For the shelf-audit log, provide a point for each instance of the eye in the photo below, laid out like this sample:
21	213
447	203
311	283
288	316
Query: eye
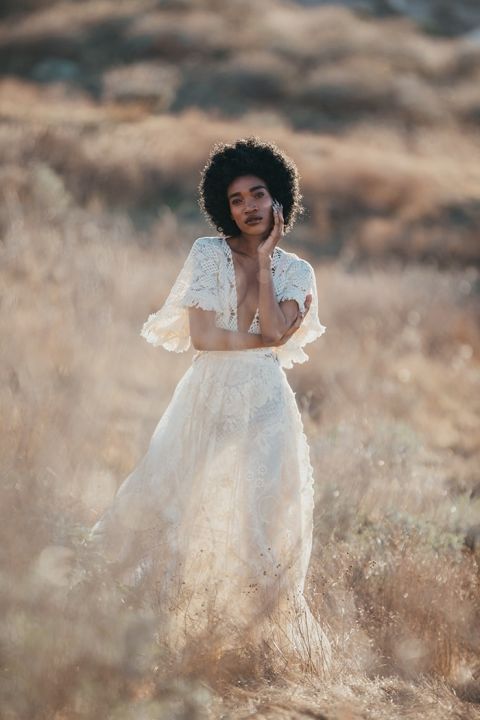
260	193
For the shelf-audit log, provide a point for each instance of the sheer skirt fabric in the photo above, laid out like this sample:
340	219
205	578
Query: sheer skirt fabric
217	517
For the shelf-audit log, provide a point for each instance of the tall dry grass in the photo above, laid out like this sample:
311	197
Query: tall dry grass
96	91
389	400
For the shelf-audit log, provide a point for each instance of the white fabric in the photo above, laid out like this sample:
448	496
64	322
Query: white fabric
207	280
218	513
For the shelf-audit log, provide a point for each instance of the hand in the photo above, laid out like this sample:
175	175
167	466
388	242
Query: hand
296	323
266	247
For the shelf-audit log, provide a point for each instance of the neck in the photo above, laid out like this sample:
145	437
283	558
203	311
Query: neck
248	244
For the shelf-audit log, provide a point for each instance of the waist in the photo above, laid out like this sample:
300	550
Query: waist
250	354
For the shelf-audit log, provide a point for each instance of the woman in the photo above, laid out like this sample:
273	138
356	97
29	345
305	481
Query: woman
217	517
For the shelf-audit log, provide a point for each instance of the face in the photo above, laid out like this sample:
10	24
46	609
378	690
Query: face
250	205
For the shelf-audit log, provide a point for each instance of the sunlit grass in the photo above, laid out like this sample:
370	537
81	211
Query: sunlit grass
389	405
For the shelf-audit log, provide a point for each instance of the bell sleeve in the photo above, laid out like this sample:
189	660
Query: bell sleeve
196	286
300	281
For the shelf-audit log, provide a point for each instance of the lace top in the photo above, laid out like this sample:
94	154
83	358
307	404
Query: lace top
207	281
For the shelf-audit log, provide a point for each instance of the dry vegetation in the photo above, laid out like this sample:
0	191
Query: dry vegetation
97	211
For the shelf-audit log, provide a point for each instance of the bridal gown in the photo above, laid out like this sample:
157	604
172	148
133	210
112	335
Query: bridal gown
217	515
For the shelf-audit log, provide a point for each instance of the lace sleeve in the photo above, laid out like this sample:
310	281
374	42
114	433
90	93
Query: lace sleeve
301	281
196	286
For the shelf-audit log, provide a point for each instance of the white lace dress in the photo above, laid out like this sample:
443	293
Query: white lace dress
217	516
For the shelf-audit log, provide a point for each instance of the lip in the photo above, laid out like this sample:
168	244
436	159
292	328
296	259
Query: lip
253	221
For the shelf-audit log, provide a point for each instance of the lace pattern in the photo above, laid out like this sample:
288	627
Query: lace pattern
207	280
217	518
300	281
197	285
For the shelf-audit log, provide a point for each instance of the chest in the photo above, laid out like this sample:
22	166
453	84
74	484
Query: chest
240	291
247	291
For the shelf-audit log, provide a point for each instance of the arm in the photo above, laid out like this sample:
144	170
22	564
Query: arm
275	318
206	335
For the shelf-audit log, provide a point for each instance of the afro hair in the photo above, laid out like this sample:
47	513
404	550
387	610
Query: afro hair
248	156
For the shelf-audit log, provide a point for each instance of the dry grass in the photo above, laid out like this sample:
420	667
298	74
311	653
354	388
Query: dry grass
368	195
397	174
389	400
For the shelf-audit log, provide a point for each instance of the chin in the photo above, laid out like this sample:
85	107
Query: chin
256	229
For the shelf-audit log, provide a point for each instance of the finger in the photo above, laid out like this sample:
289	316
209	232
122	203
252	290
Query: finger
278	211
295	319
276	216
308	302
296	324
281	220
280	225
291	329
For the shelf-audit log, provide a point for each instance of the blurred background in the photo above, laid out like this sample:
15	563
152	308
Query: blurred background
108	110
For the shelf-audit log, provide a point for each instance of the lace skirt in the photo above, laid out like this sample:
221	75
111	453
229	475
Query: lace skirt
216	519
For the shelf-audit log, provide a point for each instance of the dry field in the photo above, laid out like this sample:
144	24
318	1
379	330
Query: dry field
97	212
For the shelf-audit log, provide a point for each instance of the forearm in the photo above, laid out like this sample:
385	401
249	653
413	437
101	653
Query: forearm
219	339
273	322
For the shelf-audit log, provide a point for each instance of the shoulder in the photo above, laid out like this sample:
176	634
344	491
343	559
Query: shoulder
293	263
205	256
207	244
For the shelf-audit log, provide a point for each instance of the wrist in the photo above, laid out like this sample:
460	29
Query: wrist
264	274
264	259
267	342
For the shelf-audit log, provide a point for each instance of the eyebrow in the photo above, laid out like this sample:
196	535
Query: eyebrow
255	187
